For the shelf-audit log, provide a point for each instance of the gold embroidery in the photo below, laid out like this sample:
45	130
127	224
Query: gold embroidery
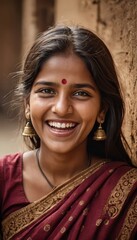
106	222
111	170
70	218
81	202
82	228
98	222
88	189
27	215
85	211
63	230
47	227
130	222
120	193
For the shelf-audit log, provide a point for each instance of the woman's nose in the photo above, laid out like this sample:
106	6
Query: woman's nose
62	106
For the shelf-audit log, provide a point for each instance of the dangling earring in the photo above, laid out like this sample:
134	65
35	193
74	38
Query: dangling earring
28	129
100	134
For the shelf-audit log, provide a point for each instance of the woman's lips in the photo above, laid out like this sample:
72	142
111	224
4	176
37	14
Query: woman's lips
61	125
62	128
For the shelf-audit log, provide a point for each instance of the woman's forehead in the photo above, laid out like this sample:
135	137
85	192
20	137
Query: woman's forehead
65	69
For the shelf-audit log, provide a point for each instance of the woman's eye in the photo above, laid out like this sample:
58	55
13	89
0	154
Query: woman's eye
81	94
46	91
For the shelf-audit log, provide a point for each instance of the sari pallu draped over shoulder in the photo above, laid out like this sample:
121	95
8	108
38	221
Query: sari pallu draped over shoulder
98	203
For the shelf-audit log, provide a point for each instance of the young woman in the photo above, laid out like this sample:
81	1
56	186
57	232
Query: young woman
77	181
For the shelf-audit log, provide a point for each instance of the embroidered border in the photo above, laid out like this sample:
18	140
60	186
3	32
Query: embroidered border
120	193
22	218
130	222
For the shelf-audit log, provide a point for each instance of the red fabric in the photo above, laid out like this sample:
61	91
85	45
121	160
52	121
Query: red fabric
78	219
12	196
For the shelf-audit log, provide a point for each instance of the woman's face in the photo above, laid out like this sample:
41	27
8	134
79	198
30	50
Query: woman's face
64	104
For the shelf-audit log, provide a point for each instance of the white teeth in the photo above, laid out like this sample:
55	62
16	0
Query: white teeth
61	125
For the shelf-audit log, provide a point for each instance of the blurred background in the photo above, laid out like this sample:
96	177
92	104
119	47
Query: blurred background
115	21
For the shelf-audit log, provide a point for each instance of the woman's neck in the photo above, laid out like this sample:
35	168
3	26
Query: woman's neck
63	166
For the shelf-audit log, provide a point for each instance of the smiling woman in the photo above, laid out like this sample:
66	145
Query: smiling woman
77	181
66	106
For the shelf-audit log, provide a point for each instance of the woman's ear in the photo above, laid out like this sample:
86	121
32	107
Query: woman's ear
101	116
27	110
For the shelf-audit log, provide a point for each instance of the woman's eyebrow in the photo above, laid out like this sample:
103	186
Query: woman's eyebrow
75	85
46	83
83	85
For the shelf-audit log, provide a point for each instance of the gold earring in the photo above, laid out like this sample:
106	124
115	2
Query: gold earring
29	130
100	134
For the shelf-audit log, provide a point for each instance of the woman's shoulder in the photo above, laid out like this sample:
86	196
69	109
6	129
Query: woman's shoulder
11	182
120	170
123	165
116	163
122	175
11	156
10	165
10	160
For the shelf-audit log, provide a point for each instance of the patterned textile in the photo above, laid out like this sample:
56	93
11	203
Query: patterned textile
98	203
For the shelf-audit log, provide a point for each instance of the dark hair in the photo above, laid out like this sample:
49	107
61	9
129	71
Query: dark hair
92	50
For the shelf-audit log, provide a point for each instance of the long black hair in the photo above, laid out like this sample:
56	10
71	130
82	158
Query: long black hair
92	50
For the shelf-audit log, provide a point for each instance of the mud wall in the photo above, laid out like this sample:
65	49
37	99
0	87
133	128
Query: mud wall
116	23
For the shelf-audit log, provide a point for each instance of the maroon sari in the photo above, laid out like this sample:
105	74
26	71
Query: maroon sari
100	203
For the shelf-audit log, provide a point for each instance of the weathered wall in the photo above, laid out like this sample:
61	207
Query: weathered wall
116	22
75	12
122	23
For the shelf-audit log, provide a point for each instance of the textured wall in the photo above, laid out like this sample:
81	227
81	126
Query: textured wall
115	21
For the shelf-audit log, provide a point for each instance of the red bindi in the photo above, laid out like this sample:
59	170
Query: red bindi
64	81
